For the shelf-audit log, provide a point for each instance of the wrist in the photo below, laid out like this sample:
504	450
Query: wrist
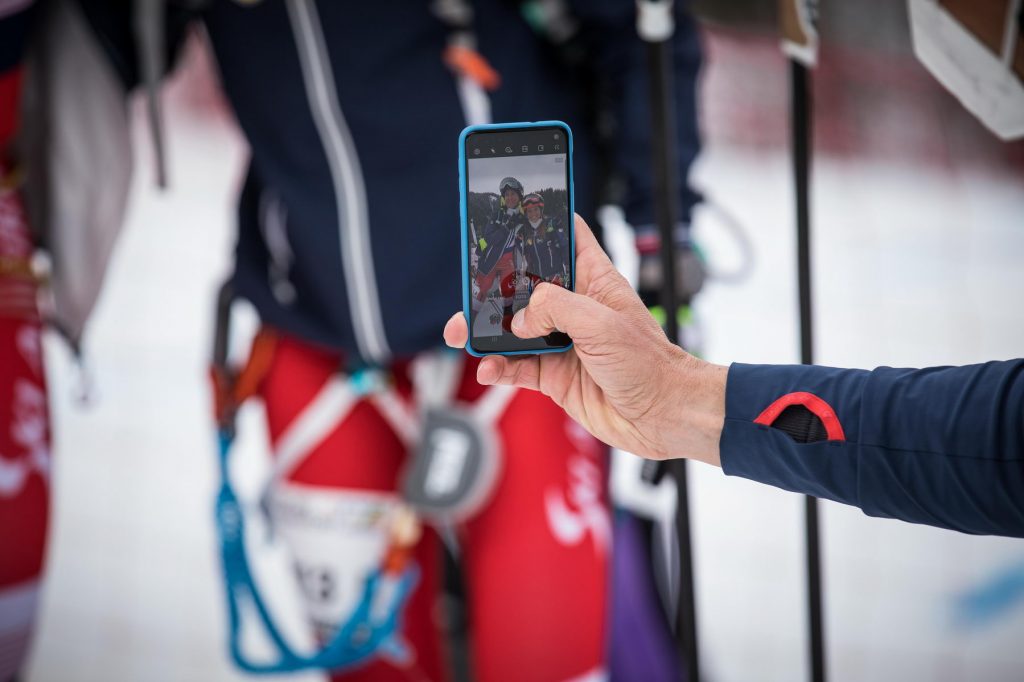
694	409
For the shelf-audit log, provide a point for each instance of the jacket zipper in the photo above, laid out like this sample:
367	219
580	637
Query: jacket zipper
346	175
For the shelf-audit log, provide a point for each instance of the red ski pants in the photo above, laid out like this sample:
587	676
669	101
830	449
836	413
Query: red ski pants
535	557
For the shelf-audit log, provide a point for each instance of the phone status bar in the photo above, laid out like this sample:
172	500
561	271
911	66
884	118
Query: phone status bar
516	143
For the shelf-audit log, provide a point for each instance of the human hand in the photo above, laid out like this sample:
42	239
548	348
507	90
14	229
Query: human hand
622	379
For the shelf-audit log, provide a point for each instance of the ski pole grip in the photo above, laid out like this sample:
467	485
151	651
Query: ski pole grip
654	20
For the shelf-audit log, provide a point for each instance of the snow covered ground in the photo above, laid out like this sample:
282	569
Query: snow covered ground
913	266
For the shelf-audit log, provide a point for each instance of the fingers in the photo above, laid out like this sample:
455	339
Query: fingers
596	275
456	331
552	308
523	372
585	239
589	250
495	369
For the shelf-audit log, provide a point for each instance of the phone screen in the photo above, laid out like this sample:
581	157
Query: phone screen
519	224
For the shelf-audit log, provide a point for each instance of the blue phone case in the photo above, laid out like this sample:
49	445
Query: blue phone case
467	291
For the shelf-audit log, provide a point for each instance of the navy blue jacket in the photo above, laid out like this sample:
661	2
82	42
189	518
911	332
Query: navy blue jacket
349	222
501	236
546	249
942	446
348	219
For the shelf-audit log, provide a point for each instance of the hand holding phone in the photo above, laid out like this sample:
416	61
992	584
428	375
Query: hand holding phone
623	380
515	182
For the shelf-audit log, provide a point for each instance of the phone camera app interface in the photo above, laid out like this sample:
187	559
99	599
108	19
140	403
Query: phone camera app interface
518	209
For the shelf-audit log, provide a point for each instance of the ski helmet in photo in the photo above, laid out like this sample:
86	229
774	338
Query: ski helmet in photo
510	183
533	199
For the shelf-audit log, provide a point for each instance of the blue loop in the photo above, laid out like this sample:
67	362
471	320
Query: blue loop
357	640
367	380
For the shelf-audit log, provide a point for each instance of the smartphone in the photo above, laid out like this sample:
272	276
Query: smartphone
515	183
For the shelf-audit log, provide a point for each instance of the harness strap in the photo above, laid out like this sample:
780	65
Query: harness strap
403	419
232	388
436	382
316	421
435	377
250	380
492	404
372	628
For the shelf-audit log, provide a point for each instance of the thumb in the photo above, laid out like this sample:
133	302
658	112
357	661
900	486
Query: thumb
553	308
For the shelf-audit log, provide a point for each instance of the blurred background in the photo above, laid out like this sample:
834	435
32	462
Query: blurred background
918	259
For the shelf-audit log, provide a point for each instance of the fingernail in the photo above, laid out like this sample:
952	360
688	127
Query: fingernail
484	374
517	320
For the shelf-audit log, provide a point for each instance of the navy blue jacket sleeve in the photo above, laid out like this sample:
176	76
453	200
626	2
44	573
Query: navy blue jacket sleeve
498	237
942	446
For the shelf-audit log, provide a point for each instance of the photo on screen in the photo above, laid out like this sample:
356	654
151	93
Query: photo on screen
519	235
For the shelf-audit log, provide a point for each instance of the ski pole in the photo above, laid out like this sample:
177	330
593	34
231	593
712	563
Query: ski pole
656	26
801	110
800	43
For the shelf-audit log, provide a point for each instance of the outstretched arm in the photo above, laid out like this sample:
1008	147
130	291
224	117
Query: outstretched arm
941	446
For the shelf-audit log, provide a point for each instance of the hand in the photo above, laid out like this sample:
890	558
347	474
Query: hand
622	380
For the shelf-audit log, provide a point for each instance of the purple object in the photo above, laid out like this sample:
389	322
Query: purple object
642	646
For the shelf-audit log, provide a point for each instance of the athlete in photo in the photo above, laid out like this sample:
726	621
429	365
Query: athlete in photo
545	244
500	254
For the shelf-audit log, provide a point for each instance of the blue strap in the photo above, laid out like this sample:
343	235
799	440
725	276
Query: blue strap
364	635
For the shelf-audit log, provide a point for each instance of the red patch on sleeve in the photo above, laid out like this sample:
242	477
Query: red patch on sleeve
821	409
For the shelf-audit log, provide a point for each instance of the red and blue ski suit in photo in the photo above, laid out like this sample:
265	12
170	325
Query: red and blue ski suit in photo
497	251
510	244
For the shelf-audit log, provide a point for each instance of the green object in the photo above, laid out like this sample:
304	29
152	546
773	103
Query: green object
684	316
